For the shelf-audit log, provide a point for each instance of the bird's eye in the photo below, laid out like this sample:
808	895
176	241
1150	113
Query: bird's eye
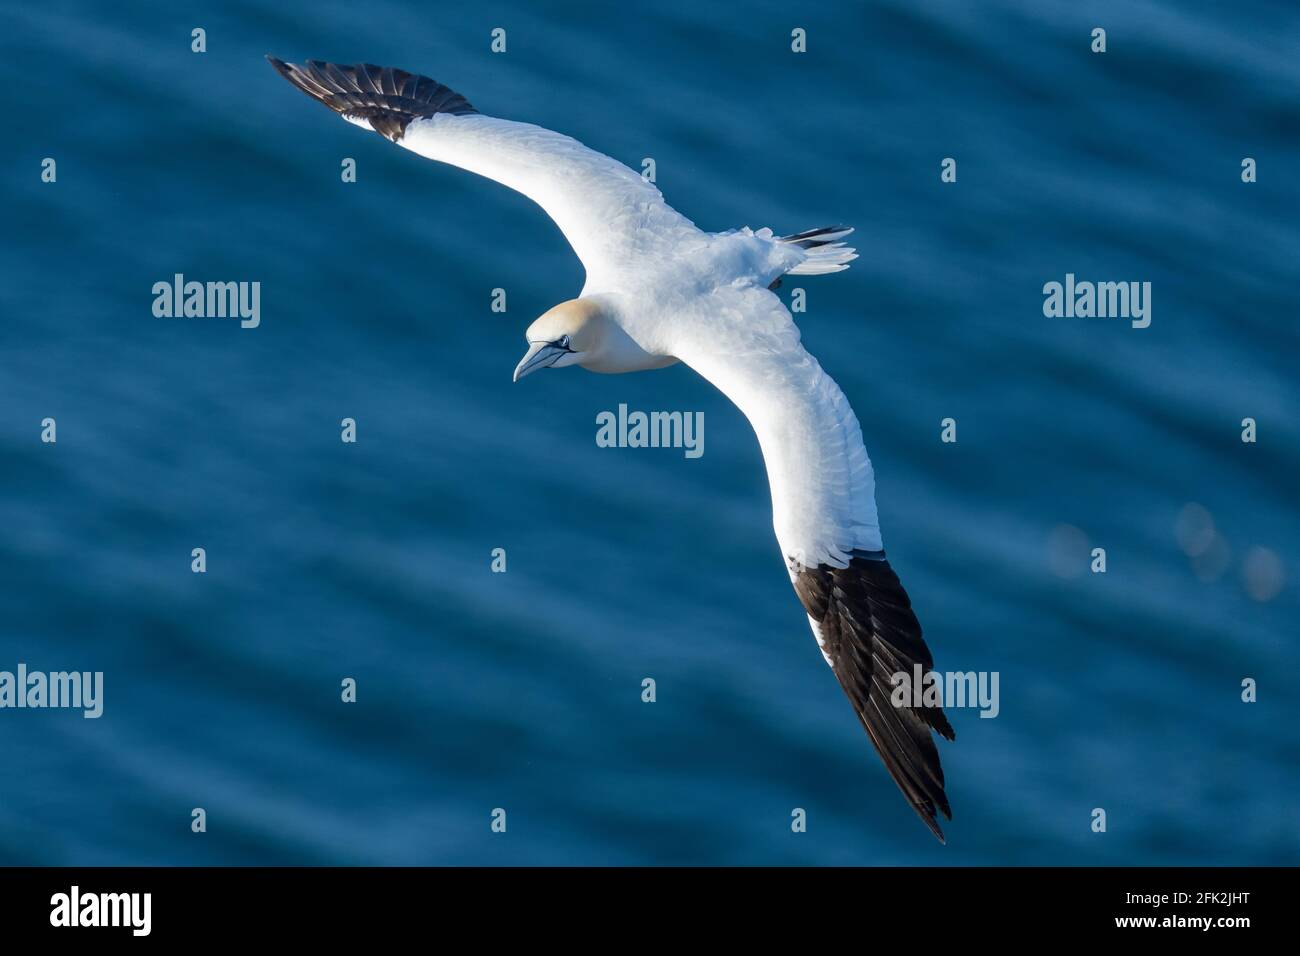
563	342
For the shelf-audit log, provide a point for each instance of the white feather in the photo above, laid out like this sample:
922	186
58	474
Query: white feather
743	340
616	221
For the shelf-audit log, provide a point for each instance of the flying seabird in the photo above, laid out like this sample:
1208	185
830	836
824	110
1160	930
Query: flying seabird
659	290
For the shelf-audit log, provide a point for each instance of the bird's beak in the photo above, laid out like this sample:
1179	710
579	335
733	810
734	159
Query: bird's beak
539	355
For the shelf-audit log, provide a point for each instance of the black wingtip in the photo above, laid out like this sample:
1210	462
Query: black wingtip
930	820
383	98
865	625
939	722
284	69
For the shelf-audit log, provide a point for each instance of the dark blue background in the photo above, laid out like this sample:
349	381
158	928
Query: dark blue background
522	690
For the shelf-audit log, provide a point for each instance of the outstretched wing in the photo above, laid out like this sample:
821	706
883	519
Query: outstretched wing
824	514
611	216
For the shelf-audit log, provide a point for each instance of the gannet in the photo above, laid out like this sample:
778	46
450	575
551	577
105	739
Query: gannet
659	290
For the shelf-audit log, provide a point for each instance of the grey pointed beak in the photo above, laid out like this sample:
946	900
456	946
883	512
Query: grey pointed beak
539	355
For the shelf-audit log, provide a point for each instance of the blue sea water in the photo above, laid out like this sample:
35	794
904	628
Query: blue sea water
522	690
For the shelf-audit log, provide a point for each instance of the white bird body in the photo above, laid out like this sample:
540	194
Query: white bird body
679	293
660	290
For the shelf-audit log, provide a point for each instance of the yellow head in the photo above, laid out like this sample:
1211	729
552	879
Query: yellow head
567	334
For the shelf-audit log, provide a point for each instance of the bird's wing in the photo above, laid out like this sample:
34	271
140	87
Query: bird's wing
614	219
744	341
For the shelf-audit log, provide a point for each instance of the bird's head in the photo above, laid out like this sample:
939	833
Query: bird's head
571	333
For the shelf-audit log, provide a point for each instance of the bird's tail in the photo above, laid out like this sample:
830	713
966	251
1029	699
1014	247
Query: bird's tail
825	253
